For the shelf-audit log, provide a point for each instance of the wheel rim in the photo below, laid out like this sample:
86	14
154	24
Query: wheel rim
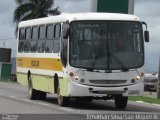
29	87
59	96
29	91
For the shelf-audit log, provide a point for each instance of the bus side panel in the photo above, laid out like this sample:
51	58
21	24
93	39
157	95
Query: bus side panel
64	86
22	79
43	83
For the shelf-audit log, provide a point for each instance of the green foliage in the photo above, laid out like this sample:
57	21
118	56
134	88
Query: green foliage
32	9
145	99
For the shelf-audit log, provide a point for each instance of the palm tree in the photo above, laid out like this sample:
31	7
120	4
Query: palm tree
31	9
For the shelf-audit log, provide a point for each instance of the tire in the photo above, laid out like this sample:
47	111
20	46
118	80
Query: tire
120	102
62	100
84	99
42	95
32	93
88	99
35	94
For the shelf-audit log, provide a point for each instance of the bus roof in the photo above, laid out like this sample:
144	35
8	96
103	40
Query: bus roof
78	16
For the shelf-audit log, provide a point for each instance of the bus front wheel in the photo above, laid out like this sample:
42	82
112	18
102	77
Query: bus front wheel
62	100
120	101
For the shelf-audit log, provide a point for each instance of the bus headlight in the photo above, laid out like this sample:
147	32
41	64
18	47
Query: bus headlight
76	77
138	77
134	79
72	75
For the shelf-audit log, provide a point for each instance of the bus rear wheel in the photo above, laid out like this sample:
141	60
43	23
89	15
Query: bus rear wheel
32	93
62	100
35	94
42	95
120	101
84	99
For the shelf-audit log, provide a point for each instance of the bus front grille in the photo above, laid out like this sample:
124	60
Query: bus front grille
108	81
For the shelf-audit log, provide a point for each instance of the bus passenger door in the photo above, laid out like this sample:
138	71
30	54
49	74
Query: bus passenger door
64	44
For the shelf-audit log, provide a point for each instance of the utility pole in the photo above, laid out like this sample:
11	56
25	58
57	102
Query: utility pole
158	86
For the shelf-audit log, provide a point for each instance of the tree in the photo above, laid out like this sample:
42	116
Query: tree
32	9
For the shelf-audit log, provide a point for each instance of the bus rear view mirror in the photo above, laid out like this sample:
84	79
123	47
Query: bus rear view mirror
146	32
146	36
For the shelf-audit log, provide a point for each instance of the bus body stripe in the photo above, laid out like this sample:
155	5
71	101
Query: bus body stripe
39	63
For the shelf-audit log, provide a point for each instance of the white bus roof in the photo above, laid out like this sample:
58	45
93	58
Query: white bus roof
78	16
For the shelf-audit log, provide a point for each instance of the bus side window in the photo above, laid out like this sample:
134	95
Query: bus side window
41	40
49	40
34	39
20	46
27	41
57	33
21	39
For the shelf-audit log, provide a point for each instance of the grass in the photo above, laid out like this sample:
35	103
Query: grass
145	99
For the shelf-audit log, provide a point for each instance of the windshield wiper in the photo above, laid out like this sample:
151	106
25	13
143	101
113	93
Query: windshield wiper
93	64
124	69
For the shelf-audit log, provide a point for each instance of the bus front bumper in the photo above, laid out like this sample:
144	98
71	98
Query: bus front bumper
78	90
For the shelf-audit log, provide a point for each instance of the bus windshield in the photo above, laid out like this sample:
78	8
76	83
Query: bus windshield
106	45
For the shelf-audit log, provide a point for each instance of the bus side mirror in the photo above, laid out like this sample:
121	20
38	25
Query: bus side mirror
65	30
146	36
146	33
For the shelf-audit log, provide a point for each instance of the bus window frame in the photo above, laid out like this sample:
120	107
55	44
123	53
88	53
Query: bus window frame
21	39
49	39
34	39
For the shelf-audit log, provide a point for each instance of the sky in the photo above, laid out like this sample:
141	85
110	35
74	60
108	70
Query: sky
147	10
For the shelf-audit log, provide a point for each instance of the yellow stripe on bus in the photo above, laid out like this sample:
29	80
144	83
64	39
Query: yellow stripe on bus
40	63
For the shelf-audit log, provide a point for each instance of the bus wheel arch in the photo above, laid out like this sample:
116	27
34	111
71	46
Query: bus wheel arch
32	93
62	100
56	81
29	78
29	75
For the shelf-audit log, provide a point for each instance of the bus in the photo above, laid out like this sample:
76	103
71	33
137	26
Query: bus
82	56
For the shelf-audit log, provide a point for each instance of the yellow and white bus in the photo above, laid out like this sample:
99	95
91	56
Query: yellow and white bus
84	56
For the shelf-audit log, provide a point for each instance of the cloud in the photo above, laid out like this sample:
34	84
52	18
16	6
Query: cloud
147	10
6	5
148	7
7	27
73	5
6	12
